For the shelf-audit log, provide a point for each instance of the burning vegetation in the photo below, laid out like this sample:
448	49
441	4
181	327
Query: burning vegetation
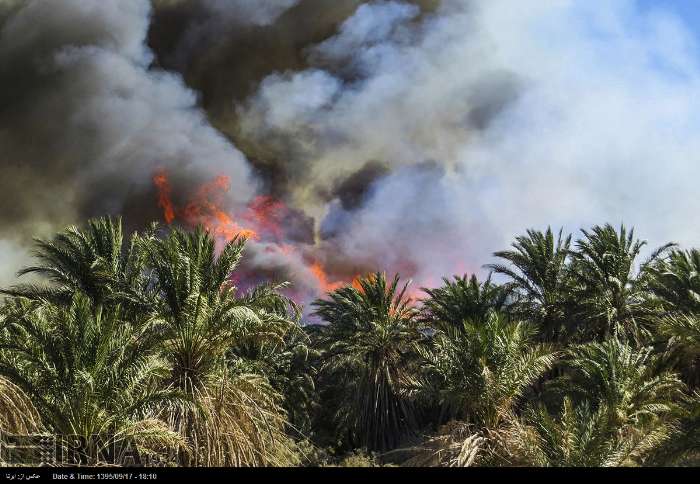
317	167
261	222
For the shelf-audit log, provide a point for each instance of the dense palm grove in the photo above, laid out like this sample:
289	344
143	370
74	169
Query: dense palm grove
585	355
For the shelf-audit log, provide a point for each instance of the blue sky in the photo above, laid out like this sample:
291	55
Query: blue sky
688	10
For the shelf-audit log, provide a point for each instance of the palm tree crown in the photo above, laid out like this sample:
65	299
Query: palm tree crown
462	298
538	274
611	294
370	349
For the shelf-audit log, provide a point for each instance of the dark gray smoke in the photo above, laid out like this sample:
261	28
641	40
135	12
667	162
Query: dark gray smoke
411	136
86	121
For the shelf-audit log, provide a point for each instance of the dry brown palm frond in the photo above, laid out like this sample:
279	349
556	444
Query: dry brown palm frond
17	413
512	445
455	445
459	444
636	445
156	443
237	421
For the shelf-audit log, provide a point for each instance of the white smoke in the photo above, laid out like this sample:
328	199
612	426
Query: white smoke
560	112
12	258
486	119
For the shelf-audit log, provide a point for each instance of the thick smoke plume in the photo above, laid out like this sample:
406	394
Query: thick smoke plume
347	136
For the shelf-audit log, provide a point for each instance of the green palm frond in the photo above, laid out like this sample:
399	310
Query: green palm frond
370	353
539	279
93	261
84	368
631	383
583	435
675	280
611	295
462	298
496	360
208	334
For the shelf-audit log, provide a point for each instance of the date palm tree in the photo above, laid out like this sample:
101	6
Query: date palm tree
675	280
683	330
89	374
370	354
682	333
583	435
480	375
483	371
611	292
93	261
621	406
632	383
462	298
237	417
288	364
539	279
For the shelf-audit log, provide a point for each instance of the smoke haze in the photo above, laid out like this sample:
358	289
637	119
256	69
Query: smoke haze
410	136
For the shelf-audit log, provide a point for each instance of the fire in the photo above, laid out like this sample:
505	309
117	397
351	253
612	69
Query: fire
160	179
266	214
263	221
203	208
319	272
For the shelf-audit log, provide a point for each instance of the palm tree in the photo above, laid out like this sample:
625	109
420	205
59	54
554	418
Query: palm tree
148	344
17	412
481	375
675	280
612	296
684	330
681	333
87	372
483	371
237	419
631	383
288	364
93	261
463	298
538	274
582	435
370	356
627	412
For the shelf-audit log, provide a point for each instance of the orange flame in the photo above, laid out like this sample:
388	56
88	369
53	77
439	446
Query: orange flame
160	179
264	216
319	272
203	208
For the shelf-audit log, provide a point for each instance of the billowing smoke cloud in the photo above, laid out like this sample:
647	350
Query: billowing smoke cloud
411	136
566	113
85	122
